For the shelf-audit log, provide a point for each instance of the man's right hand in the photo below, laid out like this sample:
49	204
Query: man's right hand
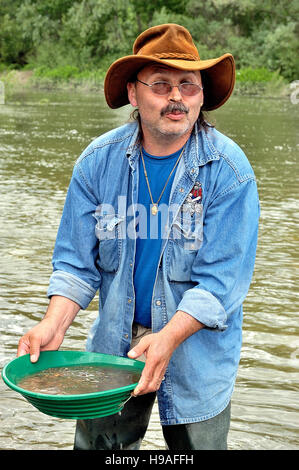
49	333
43	337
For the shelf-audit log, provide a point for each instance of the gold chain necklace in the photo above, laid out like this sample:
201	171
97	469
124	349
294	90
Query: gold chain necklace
154	209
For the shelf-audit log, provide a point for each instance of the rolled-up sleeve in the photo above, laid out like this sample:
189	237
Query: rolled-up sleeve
70	286
223	268
75	273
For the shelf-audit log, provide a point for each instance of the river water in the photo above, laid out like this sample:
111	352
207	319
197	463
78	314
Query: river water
41	136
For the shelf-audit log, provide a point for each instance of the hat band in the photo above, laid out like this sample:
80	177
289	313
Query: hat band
176	55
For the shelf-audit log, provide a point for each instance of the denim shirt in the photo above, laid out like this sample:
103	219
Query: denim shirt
205	267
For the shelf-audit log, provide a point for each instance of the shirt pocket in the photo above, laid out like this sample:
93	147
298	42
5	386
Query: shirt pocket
186	237
108	232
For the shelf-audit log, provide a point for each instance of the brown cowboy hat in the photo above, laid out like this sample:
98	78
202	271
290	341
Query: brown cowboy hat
172	45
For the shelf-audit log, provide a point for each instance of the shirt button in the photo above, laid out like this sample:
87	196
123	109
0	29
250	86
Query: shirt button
158	302
126	336
129	301
182	190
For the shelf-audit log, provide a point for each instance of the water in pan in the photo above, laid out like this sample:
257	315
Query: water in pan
77	380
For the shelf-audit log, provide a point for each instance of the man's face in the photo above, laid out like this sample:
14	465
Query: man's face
172	115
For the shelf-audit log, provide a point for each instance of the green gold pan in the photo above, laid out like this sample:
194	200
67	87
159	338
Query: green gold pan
84	406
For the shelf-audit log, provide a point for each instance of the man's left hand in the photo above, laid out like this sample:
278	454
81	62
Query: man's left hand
158	349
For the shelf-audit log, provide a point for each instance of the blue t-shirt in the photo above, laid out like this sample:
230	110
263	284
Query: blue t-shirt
150	229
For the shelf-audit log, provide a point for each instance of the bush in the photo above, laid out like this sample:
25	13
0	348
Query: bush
260	81
256	75
68	76
58	73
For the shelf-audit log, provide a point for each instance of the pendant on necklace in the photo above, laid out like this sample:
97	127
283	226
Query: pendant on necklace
154	209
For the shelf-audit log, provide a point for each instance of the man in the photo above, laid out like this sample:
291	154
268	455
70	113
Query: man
161	216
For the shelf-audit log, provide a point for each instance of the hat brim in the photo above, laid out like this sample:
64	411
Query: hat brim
218	77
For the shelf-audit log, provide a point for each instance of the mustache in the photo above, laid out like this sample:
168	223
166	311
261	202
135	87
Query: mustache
171	107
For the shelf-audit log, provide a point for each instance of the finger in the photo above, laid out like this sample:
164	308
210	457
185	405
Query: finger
144	381
144	387
140	348
23	348
141	387
150	381
34	349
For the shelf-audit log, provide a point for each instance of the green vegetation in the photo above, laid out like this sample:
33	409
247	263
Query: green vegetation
74	41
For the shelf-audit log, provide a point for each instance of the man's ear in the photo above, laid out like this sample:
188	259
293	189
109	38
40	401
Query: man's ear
132	93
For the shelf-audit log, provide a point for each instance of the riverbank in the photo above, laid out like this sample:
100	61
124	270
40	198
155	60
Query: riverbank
62	78
252	82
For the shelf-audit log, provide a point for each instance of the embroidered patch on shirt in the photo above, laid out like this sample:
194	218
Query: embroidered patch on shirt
193	202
